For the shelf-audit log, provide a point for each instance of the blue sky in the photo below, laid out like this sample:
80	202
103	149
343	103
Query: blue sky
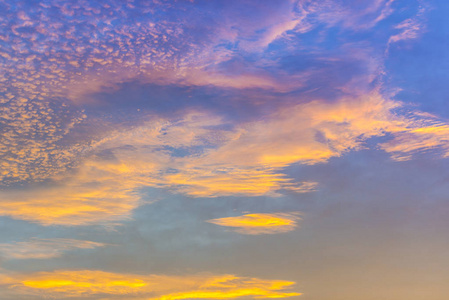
224	149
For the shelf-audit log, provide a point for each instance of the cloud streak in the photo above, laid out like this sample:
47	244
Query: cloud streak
92	284
44	248
255	224
411	28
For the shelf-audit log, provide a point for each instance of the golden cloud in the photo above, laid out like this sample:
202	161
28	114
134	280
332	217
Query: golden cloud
87	284
71	204
246	160
260	223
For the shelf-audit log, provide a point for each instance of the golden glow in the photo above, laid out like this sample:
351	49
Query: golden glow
260	223
85	283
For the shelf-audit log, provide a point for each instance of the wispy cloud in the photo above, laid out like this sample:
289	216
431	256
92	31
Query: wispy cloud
434	135
92	284
202	155
411	28
256	224
353	15
44	248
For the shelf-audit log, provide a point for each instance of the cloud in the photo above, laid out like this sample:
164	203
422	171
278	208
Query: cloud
30	143
268	24
203	155
73	49
77	201
433	136
354	15
43	248
290	19
149	155
411	28
256	224
76	49
94	284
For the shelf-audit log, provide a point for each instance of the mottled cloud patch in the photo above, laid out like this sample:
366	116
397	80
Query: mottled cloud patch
91	284
59	49
32	132
67	42
44	248
69	49
256	224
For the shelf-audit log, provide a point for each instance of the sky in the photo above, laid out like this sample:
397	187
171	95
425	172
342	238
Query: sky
224	149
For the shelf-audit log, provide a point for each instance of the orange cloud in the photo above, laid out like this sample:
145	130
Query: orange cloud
86	284
246	160
260	223
209	182
71	204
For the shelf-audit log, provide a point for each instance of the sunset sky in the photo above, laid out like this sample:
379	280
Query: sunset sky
224	149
